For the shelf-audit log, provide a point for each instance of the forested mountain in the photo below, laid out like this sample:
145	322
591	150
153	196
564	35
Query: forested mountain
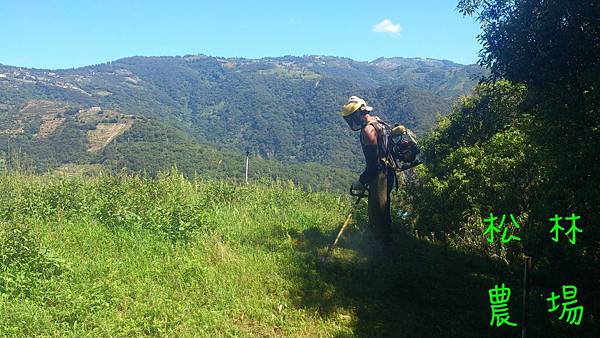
147	113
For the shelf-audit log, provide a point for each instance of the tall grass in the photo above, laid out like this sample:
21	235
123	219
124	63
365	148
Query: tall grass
125	255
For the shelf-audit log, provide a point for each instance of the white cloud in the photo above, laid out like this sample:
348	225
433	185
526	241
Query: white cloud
387	26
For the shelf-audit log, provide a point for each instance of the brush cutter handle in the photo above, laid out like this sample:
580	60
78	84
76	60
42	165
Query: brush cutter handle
360	192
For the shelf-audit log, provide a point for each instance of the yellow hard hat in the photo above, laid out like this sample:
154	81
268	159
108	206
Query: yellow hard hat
354	102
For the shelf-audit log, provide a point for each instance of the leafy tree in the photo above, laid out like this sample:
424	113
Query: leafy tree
477	163
530	146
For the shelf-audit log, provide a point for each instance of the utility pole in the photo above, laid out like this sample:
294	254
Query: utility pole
9	154
247	159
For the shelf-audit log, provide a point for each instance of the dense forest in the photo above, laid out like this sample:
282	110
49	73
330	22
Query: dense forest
526	143
119	114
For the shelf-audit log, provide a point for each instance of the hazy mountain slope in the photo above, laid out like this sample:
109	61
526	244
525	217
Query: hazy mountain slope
278	108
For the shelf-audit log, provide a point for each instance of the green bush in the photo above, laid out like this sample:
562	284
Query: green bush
24	264
477	163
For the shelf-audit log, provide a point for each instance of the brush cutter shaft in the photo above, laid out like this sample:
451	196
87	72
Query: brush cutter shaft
337	238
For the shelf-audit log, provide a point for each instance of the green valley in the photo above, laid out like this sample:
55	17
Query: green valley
150	113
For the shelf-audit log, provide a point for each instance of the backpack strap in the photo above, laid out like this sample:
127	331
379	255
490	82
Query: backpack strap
387	160
376	124
370	123
383	144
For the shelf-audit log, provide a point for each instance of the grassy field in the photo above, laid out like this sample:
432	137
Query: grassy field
128	256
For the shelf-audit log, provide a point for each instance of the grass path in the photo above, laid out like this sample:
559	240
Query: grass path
223	260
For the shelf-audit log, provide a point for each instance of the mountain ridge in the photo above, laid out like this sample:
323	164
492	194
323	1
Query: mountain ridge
278	108
265	58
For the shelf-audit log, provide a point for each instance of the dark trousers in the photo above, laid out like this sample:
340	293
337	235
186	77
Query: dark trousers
380	217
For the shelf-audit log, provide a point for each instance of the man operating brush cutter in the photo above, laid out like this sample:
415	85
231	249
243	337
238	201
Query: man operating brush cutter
387	151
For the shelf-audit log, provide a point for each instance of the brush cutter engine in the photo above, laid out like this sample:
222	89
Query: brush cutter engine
405	150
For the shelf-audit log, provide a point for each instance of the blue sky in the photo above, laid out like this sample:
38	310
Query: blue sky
65	34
